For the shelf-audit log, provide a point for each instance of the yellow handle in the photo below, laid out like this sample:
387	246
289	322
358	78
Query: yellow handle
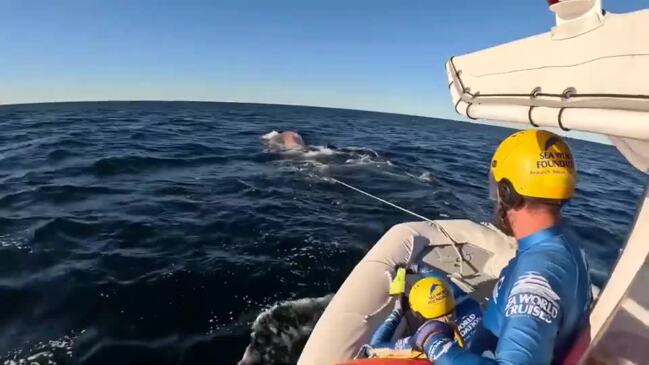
458	336
398	285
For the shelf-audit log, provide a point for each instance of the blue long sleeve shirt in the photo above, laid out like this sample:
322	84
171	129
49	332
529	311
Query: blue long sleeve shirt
538	306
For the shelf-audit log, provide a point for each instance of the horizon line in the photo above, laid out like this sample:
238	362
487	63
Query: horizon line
480	122
223	102
240	102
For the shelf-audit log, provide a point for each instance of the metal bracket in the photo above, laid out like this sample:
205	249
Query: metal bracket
568	93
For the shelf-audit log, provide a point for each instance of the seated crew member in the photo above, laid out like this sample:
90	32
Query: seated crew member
543	295
429	298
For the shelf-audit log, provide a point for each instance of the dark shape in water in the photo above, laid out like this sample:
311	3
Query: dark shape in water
280	332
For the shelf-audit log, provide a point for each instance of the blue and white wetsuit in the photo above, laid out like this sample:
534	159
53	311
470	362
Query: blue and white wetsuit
538	306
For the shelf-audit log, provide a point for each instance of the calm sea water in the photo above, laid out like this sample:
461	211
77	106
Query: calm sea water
153	232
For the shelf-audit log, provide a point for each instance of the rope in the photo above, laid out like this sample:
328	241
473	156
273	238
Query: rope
432	222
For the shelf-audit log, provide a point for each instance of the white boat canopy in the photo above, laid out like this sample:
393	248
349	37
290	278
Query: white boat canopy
589	73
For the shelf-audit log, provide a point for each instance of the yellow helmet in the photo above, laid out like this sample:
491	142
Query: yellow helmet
431	298
537	164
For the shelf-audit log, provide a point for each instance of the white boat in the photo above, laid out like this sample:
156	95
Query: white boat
589	73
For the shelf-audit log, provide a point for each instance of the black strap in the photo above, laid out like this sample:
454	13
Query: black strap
457	104
467	112
529	116
560	122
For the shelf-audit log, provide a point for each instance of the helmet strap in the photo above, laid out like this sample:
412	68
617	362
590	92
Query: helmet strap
500	219
419	318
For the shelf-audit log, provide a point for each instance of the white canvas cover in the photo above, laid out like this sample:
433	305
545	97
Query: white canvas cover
602	68
635	151
589	74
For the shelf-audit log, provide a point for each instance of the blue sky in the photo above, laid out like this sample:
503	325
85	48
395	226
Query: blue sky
381	55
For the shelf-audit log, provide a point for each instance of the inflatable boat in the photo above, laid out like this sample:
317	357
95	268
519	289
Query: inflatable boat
589	73
471	254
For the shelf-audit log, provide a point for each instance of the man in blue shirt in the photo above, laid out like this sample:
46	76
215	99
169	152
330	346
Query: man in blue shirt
542	297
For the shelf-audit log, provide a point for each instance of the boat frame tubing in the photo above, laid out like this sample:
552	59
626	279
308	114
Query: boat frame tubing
561	112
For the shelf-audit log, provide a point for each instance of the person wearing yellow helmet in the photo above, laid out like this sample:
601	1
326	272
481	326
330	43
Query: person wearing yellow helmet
431	297
542	296
532	175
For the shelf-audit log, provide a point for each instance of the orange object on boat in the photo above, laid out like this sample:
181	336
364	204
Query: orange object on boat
380	361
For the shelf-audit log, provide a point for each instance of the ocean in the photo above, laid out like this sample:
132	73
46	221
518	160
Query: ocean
158	232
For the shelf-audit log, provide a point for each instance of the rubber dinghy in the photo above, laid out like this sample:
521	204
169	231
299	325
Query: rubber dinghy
470	254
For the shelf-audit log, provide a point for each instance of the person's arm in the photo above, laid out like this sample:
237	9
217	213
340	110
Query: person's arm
382	337
531	321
